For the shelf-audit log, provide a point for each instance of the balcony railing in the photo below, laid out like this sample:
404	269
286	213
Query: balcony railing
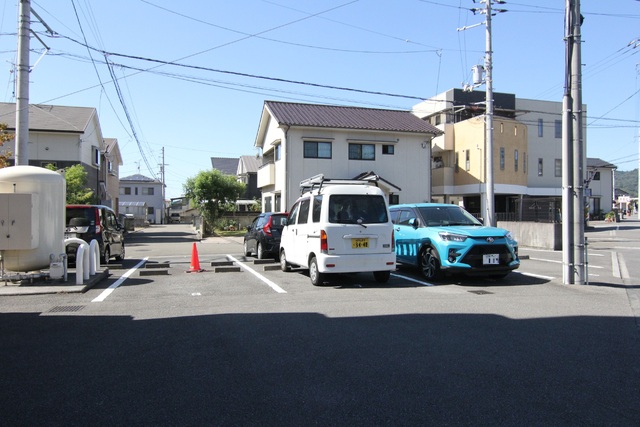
266	175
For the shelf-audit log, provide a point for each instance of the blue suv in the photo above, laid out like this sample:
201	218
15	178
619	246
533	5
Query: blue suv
441	238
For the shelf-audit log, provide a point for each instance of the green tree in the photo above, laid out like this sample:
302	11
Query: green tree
210	191
4	137
77	190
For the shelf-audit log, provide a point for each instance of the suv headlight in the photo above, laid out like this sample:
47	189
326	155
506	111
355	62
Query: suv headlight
452	237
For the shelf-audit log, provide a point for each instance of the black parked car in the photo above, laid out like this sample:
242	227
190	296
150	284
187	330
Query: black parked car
95	222
263	235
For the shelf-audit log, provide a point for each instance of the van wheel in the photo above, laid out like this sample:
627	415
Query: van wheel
259	251
429	264
382	276
316	277
106	256
284	265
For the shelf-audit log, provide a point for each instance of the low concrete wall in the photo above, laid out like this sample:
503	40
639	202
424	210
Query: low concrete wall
535	234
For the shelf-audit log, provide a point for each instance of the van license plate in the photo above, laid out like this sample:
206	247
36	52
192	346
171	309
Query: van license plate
491	259
359	243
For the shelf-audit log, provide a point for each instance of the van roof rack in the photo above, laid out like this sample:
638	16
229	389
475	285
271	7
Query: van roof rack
319	180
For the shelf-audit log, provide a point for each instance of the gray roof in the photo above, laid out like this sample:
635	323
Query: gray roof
251	163
332	116
52	118
139	178
594	162
226	165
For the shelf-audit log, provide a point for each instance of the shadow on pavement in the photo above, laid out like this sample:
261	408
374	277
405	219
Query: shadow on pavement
293	369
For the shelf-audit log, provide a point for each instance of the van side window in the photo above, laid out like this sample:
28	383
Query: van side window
317	207
294	214
303	217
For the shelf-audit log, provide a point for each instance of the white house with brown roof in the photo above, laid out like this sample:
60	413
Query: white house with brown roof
303	140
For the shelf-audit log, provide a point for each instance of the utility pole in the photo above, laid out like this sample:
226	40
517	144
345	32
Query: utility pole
573	179
22	93
162	213
488	201
488	65
578	150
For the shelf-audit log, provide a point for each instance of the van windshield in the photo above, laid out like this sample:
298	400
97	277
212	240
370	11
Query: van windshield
357	208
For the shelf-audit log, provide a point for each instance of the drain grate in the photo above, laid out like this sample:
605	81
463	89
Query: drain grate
66	308
481	292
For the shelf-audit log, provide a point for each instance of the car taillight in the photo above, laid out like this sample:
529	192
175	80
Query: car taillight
324	246
393	241
98	223
267	227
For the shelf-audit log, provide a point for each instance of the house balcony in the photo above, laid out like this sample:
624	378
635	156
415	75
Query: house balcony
442	177
444	142
266	175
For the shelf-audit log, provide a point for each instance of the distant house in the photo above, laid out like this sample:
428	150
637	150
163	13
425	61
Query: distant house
67	136
302	140
141	189
245	169
599	186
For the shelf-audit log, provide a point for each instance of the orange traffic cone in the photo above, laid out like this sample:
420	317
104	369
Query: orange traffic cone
195	262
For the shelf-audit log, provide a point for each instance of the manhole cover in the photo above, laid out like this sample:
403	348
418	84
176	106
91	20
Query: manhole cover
66	308
481	292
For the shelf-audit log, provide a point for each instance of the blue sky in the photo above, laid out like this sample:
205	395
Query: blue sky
235	54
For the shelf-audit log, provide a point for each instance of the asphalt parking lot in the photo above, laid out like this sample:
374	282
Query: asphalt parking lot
252	345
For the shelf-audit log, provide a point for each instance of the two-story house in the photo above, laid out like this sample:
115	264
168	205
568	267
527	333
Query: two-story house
65	136
138	191
303	140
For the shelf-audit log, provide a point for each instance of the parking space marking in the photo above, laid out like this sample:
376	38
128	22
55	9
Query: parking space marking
412	280
537	276
242	265
560	262
118	282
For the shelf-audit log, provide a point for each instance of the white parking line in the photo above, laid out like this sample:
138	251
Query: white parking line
412	280
275	287
118	282
537	276
560	262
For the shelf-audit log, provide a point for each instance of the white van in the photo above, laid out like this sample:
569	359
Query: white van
339	226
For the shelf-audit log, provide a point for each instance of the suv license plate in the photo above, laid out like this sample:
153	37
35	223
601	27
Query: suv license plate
359	243
491	259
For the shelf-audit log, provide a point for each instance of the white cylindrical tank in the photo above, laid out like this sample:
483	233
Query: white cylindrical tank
32	222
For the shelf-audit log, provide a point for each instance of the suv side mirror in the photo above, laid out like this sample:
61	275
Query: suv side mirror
414	222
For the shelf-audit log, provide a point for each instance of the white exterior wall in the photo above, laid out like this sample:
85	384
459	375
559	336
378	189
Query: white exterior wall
547	147
154	200
408	168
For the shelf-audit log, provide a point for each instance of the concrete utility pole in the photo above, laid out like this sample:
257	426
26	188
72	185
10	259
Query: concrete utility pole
488	66
488	196
22	92
162	213
573	216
